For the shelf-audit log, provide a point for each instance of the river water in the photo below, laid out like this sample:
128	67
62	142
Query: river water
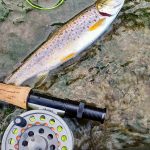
113	73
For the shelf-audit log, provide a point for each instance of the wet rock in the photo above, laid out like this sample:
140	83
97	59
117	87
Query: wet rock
113	73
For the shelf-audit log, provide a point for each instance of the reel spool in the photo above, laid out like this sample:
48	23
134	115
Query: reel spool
38	130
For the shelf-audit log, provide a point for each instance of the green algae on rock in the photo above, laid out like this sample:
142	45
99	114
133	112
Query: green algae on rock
3	12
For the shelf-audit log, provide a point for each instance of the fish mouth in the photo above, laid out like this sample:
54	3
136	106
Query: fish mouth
109	7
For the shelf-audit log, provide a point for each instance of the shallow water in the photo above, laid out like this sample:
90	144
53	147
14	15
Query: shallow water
114	72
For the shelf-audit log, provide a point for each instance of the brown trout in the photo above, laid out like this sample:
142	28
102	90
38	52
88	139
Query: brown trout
71	39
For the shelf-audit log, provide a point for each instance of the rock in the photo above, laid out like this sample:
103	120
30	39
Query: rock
113	73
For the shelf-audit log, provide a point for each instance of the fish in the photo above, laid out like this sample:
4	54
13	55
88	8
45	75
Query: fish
68	41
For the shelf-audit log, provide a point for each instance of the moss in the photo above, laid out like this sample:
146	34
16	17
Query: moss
137	19
9	110
3	12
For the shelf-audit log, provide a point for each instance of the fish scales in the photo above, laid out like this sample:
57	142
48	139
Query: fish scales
71	39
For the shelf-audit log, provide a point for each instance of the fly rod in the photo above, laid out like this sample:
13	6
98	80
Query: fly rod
27	98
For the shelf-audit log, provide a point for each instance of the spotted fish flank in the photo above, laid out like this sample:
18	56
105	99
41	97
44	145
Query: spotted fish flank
68	57
71	39
97	24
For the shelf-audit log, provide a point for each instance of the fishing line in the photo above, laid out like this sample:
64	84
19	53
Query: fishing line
34	5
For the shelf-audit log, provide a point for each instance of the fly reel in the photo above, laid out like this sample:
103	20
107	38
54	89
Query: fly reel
38	130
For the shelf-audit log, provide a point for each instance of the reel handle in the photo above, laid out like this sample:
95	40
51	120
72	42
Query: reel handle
68	107
14	95
25	97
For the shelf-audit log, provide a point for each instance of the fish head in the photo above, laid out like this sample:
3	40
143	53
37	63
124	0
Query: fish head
109	7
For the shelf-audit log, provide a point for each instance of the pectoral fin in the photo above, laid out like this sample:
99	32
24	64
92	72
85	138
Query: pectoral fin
41	78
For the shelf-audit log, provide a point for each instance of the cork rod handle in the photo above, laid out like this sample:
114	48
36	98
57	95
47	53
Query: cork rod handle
14	95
